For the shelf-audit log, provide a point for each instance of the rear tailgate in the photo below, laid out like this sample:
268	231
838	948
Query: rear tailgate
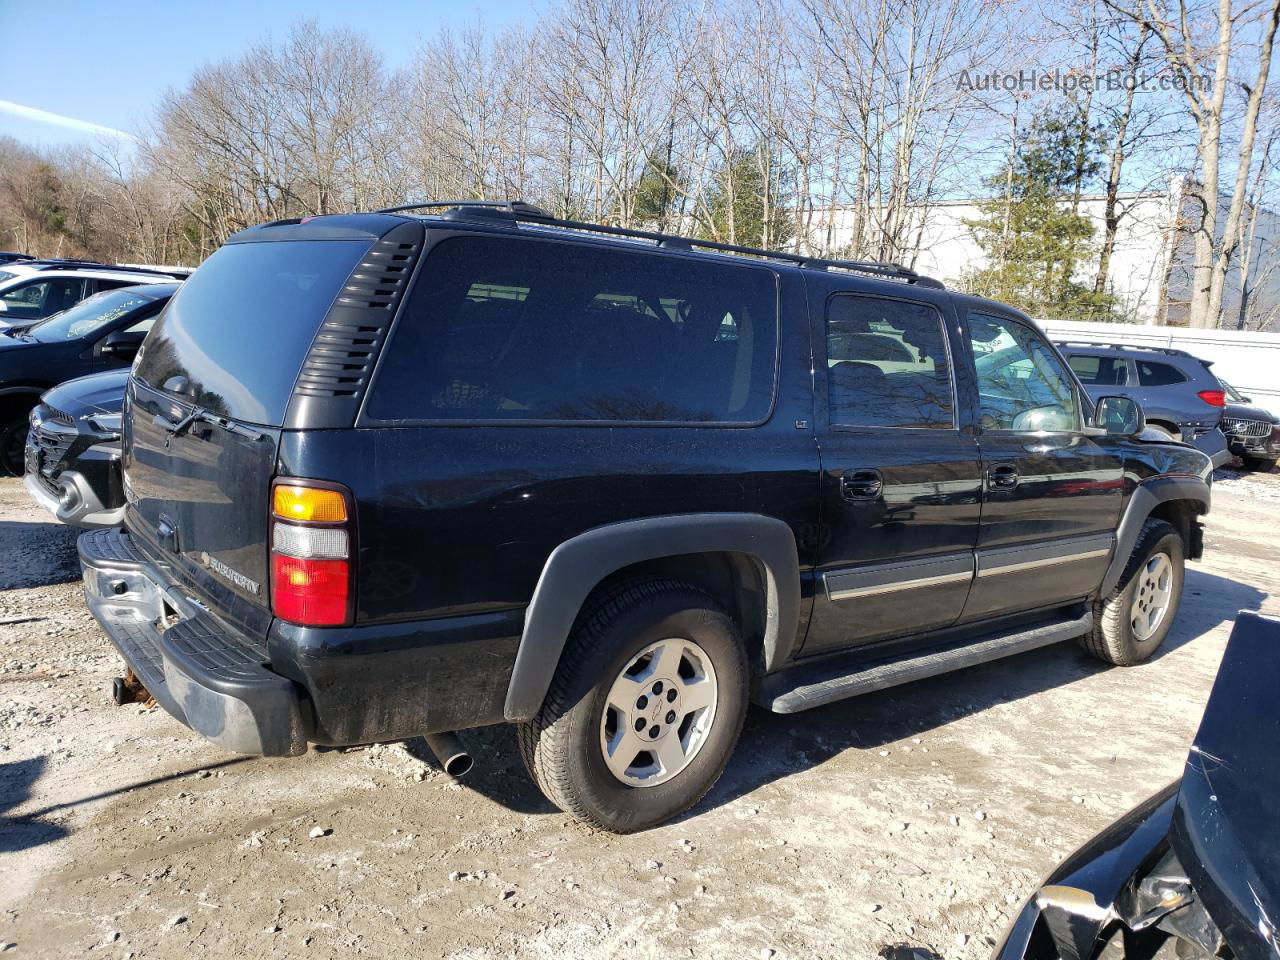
199	498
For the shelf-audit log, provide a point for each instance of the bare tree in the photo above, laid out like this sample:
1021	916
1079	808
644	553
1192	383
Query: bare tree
1188	53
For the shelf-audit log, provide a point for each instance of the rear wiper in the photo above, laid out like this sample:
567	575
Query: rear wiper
176	428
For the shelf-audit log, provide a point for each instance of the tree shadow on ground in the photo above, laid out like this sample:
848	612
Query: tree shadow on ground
38	554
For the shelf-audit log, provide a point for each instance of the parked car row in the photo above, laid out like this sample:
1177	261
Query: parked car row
101	332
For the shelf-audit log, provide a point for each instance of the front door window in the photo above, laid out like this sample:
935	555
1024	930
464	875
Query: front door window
1022	386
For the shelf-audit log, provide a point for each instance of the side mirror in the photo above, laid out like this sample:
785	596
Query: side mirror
123	344
1119	416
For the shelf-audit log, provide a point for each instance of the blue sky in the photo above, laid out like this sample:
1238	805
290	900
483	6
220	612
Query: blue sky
108	63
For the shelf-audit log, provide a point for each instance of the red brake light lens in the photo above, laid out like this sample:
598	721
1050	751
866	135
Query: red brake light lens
1214	398
310	592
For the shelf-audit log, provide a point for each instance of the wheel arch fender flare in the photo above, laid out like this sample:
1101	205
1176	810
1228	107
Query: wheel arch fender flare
1144	500
580	564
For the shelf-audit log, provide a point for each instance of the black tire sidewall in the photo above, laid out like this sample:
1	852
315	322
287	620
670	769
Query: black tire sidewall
685	615
12	431
1137	651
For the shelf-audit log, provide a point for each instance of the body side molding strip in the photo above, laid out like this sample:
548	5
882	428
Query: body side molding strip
877	579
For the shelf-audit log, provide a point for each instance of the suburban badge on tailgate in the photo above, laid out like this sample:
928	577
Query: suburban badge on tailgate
224	571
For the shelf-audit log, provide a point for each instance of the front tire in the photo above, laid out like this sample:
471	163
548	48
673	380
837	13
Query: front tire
1132	621
644	710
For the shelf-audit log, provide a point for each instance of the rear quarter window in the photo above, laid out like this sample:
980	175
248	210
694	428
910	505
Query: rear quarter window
498	329
1158	374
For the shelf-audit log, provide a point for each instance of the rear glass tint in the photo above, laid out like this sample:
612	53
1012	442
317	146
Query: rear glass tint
239	329
500	329
1158	374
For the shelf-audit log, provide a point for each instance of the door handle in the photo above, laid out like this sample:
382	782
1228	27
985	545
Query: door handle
861	484
1003	475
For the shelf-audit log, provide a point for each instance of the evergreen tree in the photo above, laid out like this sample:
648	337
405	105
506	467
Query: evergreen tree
1031	232
736	209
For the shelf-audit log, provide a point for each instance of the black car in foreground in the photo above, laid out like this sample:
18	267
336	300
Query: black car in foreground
73	450
1194	872
395	474
1253	434
100	333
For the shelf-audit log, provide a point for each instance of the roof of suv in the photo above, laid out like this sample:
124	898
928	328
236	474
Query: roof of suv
1094	348
527	219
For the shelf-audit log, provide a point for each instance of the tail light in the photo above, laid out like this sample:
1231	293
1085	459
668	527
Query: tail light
1214	398
312	544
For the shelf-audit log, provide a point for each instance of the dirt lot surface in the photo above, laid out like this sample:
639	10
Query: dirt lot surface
905	824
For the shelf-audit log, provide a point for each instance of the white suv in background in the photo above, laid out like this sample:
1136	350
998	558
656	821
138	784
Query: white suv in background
31	290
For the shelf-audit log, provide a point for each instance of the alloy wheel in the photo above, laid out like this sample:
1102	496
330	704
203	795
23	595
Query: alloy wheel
1152	596
659	712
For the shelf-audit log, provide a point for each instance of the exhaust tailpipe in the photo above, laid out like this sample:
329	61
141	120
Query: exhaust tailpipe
449	751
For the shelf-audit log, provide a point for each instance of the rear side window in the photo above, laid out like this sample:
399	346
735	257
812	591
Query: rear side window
238	331
1158	374
500	329
887	364
1102	371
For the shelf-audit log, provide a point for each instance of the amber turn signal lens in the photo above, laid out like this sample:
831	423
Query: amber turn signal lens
308	504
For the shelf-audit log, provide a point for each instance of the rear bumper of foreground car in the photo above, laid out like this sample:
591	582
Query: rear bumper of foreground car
201	671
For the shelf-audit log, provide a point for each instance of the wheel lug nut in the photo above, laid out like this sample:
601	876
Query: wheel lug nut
642	703
671	696
654	731
640	725
671	716
657	687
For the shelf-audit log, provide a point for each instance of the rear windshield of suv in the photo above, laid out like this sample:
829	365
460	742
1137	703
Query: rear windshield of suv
502	329
239	329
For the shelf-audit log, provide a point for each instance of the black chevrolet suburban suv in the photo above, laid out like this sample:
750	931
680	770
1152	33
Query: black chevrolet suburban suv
427	469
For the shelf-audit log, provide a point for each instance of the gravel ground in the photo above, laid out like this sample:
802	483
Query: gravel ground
906	824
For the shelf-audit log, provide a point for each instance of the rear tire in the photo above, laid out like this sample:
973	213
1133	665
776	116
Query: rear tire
644	710
1259	464
1131	622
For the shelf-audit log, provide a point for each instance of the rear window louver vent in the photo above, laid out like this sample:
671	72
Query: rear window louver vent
342	357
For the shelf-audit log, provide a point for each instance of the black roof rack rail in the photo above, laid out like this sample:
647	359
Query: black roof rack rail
69	264
517	211
1170	351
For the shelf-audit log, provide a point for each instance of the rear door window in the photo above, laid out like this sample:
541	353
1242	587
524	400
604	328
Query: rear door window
1158	374
1100	371
887	364
502	329
238	331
